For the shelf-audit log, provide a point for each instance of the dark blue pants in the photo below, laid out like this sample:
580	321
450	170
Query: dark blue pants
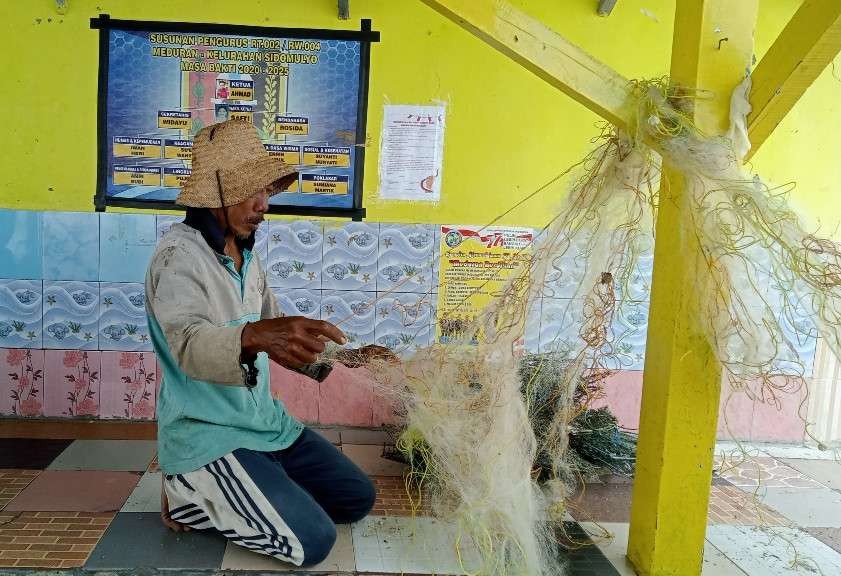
285	504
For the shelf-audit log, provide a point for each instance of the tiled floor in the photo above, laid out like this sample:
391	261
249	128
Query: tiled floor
94	506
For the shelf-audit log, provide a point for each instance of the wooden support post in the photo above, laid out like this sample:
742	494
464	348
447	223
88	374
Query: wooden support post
682	377
806	46
544	52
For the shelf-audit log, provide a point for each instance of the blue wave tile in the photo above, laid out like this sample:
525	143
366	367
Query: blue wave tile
126	244
294	254
350	257
352	312
404	322
21	305
405	258
71	246
71	315
20	245
122	320
261	244
299	302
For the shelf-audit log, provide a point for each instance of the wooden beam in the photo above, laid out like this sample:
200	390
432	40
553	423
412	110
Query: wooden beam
543	52
682	378
806	46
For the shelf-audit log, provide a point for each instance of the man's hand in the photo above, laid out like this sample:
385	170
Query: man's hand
366	355
165	517
291	341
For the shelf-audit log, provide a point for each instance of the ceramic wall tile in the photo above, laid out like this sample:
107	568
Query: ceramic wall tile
797	353
560	326
294	249
530	343
630	329
71	246
563	277
298	302
21	307
126	244
71	315
403	321
436	258
22	382
261	244
405	258
129	385
637	287
20	244
163	222
122	321
73	383
352	312
350	257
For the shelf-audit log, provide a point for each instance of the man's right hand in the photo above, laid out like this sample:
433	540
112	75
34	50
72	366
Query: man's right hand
291	341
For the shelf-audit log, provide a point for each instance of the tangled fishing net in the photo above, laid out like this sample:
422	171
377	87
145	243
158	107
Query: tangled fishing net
489	431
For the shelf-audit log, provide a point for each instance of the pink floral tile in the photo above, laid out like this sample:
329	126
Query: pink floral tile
298	393
22	382
346	397
129	385
72	383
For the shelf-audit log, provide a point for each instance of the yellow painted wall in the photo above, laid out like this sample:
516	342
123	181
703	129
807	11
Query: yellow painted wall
507	131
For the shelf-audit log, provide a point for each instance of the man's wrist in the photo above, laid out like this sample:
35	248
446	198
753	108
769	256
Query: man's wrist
249	342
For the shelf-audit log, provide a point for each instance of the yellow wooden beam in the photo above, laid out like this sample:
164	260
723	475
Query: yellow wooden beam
544	52
682	378
806	46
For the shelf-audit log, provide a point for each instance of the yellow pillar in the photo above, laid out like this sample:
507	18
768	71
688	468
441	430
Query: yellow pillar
712	49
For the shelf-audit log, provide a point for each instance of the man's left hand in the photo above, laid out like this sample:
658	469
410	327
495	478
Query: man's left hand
366	355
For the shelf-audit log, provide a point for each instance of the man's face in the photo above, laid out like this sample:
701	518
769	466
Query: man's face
245	217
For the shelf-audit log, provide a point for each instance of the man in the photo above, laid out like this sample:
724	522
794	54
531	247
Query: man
232	458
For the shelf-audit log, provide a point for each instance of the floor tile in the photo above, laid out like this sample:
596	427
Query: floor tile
49	539
829	536
139	540
30	453
12	483
602	503
717	564
394	499
330	434
366	437
413	545
732	505
580	555
71	491
774	551
800	452
806	507
827	472
340	559
762	471
124	455
146	496
371	460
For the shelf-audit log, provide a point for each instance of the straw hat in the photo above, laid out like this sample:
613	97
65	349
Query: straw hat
230	164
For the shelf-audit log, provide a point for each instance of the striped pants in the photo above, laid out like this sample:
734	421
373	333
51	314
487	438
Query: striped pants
284	504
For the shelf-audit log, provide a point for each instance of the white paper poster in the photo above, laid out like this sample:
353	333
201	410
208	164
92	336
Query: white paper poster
411	152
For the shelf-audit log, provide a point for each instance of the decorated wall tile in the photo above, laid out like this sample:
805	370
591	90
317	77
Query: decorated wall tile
403	321
20	244
299	302
261	244
295	250
405	258
73	383
630	330
122	321
126	244
352	312
796	356
71	246
129	385
350	257
560	326
21	307
71	315
22	382
163	222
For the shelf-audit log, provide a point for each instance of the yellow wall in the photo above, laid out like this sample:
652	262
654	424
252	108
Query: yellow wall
507	131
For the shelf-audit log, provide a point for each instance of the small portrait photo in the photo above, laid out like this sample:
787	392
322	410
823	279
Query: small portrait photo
222	112
223	88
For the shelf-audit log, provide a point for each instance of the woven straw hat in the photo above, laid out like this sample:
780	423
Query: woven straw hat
230	164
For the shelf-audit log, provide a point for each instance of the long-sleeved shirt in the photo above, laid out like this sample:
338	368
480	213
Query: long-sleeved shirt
197	306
